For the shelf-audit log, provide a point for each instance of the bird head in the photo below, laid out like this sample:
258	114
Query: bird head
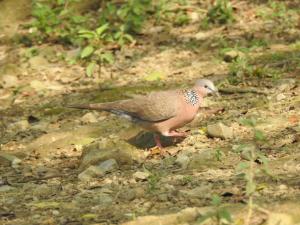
206	87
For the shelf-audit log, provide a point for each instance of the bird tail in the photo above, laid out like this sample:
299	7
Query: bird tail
99	106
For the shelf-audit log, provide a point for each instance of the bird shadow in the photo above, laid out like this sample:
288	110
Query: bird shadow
145	140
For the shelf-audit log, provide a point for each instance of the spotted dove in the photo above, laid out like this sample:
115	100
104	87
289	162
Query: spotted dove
161	112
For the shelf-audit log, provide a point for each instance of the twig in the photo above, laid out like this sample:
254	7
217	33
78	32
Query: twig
232	90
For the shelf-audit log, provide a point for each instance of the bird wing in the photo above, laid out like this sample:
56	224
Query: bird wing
154	107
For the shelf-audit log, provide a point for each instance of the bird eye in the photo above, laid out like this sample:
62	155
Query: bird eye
205	86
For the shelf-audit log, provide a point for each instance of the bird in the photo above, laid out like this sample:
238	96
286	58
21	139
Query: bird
161	112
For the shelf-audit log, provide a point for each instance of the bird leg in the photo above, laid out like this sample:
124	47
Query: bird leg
157	141
158	149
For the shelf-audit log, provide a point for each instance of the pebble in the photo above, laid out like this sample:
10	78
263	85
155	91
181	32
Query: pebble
6	188
220	130
280	97
13	160
89	118
8	81
183	160
141	175
99	170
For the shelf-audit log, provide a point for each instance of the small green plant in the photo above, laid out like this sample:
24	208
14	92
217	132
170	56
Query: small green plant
219	214
219	154
54	21
153	180
186	180
248	170
220	13
243	67
282	17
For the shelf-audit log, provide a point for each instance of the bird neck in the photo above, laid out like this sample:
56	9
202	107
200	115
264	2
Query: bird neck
192	97
200	91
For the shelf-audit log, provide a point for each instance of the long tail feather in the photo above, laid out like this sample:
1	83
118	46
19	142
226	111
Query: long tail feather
88	106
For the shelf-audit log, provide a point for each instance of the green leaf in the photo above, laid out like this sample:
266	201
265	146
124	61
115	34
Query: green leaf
242	166
107	57
87	51
86	34
248	122
102	28
259	135
225	214
216	200
154	76
90	69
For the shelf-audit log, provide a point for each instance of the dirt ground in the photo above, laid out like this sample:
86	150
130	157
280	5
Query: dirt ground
41	141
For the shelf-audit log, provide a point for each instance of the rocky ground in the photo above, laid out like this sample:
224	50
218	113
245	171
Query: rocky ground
65	166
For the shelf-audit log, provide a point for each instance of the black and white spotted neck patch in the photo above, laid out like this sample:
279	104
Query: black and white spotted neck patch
191	96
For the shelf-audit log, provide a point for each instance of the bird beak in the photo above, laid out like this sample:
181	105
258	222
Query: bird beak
216	93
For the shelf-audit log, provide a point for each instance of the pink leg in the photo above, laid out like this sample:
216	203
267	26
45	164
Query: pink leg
157	141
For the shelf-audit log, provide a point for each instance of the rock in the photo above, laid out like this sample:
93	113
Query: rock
219	130
45	191
202	191
232	55
127	194
279	219
97	171
282	187
13	160
280	97
19	126
194	17
89	118
8	81
106	148
6	188
141	175
182	160
285	84
37	62
201	36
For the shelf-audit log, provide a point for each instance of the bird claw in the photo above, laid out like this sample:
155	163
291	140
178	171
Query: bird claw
157	151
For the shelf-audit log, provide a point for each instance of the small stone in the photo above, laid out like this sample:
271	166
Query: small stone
89	118
55	212
13	160
8	81
219	130
201	191
97	171
141	175
282	187
36	216
201	36
128	195
6	188
19	126
194	17
280	97
246	152
38	61
182	160
232	55
285	84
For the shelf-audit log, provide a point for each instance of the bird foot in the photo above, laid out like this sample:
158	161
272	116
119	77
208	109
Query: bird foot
157	151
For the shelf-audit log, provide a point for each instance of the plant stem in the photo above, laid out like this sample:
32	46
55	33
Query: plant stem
251	180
